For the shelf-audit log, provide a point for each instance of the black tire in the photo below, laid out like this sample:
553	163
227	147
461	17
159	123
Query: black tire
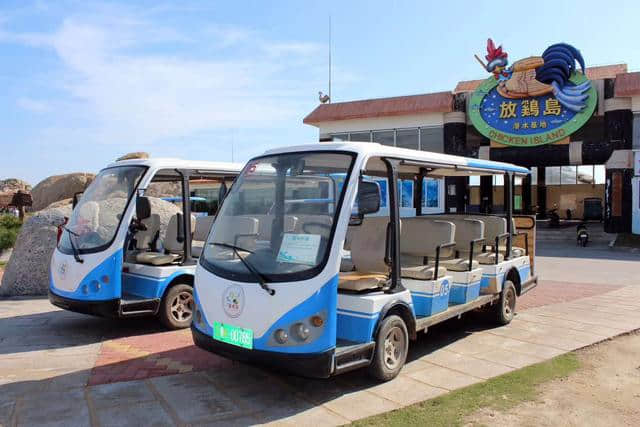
392	345
506	307
176	307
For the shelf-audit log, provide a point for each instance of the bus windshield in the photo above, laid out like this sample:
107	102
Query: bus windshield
95	220
279	218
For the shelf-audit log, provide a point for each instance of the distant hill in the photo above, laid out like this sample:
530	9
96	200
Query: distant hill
12	185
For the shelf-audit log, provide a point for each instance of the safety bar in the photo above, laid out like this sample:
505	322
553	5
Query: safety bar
471	246
496	249
438	249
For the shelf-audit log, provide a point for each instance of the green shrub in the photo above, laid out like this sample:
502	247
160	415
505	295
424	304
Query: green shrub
9	228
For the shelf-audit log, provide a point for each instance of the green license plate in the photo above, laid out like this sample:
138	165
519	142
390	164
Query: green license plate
233	335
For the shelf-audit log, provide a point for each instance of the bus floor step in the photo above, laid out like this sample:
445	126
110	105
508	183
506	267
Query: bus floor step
135	306
351	356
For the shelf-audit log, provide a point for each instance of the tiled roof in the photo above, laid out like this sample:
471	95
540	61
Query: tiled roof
627	85
441	102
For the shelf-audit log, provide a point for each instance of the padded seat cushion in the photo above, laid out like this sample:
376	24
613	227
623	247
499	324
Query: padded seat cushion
156	258
458	264
489	258
422	272
355	281
515	251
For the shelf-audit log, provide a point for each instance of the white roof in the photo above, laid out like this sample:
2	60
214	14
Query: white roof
375	149
171	163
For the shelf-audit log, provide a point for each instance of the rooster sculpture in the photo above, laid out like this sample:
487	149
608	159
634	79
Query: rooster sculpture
540	75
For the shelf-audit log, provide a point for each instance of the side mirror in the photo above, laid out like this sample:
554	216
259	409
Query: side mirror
76	199
368	198
143	208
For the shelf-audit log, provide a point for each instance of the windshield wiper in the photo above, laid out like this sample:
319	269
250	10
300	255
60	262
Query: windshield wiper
76	252
259	277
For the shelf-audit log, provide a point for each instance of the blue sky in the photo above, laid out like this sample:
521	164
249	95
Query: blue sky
84	82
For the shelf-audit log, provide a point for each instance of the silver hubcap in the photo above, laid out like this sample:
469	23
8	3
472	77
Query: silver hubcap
182	306
509	303
394	344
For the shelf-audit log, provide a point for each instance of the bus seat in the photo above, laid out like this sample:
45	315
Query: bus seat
419	239
146	238
173	248
368	245
459	264
314	224
490	257
200	233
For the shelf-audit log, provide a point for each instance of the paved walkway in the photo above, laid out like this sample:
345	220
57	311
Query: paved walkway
48	356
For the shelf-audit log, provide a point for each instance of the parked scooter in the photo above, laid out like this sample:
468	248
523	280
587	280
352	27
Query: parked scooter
554	218
582	237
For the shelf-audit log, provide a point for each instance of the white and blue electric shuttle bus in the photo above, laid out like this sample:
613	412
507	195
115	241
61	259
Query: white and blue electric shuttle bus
272	285
124	252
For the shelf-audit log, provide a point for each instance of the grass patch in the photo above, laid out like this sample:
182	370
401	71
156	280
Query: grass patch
500	393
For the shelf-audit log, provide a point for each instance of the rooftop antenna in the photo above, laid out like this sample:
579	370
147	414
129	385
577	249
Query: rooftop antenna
329	58
324	98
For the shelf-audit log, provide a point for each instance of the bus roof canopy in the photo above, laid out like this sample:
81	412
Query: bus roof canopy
411	160
170	163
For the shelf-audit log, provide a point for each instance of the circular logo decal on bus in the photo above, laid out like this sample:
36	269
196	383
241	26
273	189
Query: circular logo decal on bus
233	301
62	269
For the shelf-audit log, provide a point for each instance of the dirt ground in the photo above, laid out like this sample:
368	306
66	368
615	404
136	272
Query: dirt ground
605	391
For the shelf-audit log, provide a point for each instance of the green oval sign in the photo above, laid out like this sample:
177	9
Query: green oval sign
530	121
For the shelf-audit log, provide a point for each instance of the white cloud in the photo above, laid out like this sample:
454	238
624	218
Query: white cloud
129	86
33	105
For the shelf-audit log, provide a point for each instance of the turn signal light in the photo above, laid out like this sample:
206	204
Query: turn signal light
317	321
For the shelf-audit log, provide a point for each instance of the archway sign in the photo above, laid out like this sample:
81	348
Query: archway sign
536	101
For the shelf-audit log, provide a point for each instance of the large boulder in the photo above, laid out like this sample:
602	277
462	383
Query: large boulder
13	185
27	272
59	187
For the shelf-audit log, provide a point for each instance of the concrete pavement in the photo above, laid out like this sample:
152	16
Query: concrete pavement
43	375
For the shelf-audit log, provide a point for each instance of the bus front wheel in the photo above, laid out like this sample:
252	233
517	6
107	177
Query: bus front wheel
176	308
392	345
506	307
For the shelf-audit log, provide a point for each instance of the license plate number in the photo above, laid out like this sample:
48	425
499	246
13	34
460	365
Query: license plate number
234	335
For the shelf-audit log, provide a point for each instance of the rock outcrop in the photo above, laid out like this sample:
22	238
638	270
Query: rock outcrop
59	187
134	155
27	272
13	185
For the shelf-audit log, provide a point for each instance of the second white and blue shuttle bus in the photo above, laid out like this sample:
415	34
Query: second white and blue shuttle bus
274	284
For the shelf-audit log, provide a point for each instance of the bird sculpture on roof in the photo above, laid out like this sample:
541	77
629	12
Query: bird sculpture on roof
540	75
323	98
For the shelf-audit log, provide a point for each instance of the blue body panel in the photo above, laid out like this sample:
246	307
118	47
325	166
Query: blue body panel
462	293
356	326
92	287
428	304
324	300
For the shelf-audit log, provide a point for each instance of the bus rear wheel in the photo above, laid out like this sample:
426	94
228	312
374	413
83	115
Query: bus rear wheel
506	307
176	308
392	345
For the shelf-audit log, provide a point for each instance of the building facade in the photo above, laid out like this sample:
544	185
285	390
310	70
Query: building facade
585	162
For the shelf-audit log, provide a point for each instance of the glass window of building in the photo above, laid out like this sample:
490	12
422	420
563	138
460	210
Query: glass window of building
384	137
585	174
339	136
599	174
360	136
552	175
407	138
568	175
432	139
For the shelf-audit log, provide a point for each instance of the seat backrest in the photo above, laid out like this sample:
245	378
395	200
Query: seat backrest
468	228
202	227
368	245
144	238
314	224
265	225
241	231
171	243
421	236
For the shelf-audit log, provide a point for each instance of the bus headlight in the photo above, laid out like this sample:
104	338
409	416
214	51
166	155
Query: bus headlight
301	331
281	336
